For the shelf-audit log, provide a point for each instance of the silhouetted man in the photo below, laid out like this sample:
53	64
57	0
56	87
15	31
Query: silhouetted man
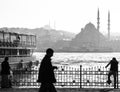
20	64
46	73
5	73
113	70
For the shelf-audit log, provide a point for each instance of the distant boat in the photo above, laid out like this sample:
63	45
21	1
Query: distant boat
17	46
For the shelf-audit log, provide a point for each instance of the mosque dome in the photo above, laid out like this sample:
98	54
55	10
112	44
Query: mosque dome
89	34
90	26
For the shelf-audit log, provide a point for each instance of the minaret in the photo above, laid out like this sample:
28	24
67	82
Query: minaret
98	20
108	25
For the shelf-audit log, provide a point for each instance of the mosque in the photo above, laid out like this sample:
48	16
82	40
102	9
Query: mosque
91	39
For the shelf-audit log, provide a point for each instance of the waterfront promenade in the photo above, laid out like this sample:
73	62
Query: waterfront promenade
60	90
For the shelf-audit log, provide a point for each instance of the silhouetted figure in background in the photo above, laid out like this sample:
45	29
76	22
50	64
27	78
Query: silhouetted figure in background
30	64
113	71
5	73
37	63
20	64
46	73
18	38
16	41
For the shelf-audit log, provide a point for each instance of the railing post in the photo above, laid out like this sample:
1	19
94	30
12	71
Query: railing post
80	76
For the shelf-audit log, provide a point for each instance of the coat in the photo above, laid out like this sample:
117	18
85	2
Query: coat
114	65
46	71
5	68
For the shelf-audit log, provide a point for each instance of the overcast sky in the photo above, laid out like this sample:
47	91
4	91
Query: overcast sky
68	15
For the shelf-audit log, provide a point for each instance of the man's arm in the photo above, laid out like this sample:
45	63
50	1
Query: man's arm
55	67
107	64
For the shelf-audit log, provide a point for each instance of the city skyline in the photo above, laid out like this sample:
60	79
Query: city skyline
68	15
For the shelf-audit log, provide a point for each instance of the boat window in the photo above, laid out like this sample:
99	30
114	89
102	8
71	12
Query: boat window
7	52
28	52
23	39
33	40
2	52
1	36
22	52
6	37
14	52
29	40
17	38
13	37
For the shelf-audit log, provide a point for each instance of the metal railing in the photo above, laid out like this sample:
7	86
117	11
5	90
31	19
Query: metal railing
94	77
67	77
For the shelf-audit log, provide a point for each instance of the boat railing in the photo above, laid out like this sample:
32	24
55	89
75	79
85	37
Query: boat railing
16	44
9	39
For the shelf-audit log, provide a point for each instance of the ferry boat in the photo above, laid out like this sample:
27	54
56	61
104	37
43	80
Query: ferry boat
17	46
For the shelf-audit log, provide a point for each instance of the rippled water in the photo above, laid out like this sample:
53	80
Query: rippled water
76	59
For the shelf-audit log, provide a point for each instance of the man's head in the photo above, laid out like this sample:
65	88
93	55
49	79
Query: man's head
113	58
49	52
6	58
21	60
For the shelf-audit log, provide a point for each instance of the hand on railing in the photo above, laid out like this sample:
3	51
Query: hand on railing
105	66
38	81
55	67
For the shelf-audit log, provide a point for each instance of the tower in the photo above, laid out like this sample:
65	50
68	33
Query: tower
98	20
108	25
98	26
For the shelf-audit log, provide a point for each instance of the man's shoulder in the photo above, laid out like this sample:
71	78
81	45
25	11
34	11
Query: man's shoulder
46	58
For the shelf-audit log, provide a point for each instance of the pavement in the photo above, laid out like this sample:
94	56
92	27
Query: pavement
60	90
